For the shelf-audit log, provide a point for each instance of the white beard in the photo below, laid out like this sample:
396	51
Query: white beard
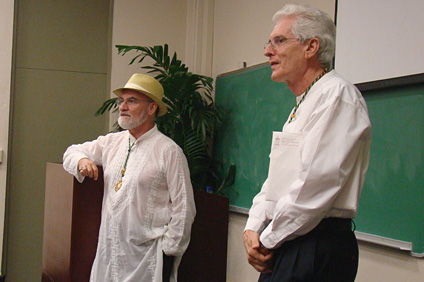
127	122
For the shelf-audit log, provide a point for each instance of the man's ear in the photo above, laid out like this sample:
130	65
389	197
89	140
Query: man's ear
311	47
152	109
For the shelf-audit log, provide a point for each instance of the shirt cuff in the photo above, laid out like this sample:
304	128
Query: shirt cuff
275	238
254	224
268	239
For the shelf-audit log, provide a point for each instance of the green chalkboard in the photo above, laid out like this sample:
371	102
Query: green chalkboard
253	107
392	201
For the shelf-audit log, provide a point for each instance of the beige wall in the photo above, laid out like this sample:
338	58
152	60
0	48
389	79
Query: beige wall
61	77
6	35
145	23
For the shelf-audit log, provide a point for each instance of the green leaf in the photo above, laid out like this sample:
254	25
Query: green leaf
108	105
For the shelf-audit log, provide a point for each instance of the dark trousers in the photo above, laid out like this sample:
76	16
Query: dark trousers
168	263
329	253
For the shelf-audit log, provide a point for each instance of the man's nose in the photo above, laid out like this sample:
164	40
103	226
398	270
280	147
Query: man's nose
268	51
123	106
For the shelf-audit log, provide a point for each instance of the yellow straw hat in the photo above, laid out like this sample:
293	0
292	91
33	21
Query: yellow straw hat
147	85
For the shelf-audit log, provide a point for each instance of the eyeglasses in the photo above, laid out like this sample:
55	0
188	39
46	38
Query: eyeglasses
131	102
277	42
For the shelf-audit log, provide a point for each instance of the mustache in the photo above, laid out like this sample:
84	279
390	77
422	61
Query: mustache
122	113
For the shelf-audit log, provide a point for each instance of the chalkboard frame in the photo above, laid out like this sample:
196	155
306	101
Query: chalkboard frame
391	82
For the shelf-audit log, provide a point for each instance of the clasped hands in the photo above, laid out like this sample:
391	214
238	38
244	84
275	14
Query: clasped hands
87	167
258	256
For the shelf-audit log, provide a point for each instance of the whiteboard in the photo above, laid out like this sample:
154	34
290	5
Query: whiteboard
379	39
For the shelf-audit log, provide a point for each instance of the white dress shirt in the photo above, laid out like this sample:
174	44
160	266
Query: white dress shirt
152	212
334	156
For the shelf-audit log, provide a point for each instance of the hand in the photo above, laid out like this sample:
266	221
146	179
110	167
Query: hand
258	256
87	167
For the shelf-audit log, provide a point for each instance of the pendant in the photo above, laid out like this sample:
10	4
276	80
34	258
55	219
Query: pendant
118	185
292	116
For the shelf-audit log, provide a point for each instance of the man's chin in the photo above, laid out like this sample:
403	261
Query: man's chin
125	123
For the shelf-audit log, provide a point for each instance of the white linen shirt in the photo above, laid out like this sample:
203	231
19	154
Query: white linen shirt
152	212
334	154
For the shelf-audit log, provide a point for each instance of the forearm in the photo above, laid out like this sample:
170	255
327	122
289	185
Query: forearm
261	211
182	205
80	160
71	158
177	235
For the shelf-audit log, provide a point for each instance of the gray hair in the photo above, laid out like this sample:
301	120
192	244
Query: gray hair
311	23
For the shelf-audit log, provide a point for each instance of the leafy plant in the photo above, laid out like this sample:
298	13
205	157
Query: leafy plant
192	116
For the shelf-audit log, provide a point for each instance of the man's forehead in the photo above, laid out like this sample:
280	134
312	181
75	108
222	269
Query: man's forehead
283	27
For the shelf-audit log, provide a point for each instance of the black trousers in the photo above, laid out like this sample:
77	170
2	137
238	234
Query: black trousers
329	253
168	263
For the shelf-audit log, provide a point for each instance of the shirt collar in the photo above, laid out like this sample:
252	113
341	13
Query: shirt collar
145	136
317	84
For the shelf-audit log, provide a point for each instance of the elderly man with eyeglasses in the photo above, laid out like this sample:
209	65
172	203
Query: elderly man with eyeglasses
300	224
148	205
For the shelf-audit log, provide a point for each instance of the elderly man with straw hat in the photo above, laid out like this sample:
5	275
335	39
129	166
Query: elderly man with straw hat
148	206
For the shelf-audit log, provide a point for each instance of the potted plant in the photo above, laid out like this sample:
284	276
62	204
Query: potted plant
192	116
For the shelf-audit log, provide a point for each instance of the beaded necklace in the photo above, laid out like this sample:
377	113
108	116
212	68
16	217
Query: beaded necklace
293	115
119	184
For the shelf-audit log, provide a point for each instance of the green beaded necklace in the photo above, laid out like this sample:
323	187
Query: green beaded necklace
119	184
293	115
